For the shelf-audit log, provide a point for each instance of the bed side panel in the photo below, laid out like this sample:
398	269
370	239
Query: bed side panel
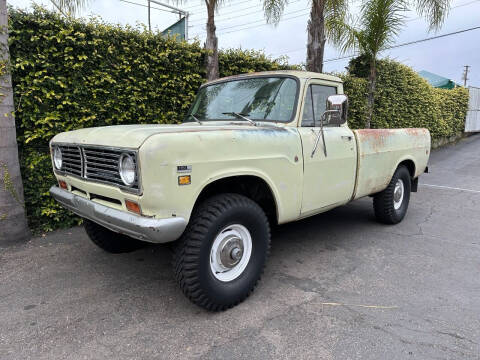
381	150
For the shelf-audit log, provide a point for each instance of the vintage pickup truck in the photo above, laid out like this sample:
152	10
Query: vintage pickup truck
254	150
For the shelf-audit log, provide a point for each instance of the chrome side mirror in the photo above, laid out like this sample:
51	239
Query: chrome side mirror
337	109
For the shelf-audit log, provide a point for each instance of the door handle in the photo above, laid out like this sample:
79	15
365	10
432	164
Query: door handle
349	138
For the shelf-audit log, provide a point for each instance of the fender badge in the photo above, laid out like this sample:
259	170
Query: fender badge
184	168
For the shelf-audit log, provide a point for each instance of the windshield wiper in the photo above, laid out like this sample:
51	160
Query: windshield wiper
241	116
194	118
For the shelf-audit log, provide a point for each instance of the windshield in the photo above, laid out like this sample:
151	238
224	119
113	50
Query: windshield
259	99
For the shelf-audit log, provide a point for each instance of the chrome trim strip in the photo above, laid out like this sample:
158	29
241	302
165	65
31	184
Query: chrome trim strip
138	227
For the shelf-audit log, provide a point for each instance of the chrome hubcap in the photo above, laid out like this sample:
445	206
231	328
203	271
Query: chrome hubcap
398	194
230	253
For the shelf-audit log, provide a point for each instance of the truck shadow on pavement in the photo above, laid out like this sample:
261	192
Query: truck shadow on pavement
312	240
143	280
330	230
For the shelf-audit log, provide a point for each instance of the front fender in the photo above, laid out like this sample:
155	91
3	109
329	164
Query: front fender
271	154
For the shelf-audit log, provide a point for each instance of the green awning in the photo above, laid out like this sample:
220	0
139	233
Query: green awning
177	29
437	80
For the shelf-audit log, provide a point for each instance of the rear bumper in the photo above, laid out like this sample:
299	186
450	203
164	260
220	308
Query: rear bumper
135	226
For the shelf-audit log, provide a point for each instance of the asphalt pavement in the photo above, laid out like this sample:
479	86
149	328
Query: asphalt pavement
337	286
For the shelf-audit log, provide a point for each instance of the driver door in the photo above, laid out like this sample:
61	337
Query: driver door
328	180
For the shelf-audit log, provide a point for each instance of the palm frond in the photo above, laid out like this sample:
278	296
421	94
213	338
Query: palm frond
381	22
376	27
342	33
70	7
434	11
337	9
336	15
273	10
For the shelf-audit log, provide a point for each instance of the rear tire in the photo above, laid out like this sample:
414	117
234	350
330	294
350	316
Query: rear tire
391	204
221	256
110	241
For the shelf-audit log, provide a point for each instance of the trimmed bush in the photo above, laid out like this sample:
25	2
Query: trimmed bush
73	74
405	99
356	89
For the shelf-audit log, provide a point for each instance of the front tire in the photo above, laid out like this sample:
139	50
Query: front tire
221	256
391	204
110	241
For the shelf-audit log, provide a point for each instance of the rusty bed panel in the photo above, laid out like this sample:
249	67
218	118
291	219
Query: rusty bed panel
381	150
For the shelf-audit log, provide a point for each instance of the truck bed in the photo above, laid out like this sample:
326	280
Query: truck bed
380	151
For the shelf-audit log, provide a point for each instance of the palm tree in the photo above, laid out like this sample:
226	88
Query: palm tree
13	221
375	29
211	44
324	15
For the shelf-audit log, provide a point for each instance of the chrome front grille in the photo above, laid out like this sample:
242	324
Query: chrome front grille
72	160
95	163
103	165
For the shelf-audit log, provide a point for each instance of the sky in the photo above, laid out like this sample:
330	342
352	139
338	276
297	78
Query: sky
241	24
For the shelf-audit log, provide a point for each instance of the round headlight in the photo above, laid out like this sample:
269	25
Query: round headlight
127	169
57	158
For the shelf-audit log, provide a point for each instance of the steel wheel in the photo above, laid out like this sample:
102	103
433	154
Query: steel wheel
398	194
221	256
231	251
391	204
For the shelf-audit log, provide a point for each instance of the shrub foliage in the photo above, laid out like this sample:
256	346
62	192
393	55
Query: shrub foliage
73	74
404	99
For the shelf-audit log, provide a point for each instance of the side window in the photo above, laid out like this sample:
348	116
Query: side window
319	95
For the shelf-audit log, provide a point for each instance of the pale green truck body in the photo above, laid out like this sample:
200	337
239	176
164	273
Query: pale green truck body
358	163
256	153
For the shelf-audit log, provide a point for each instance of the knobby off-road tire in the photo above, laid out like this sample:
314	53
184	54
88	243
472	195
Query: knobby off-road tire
228	219
110	241
391	204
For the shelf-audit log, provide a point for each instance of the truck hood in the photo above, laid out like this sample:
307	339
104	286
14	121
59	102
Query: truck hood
133	136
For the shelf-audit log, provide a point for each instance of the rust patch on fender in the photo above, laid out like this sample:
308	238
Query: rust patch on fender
416	131
376	138
418	136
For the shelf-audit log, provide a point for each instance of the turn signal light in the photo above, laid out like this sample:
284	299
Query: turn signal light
184	180
133	207
62	184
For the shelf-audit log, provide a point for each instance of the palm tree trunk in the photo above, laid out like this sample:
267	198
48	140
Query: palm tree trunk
316	37
13	223
211	45
372	83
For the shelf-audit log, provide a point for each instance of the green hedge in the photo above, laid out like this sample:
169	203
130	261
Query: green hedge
74	74
404	99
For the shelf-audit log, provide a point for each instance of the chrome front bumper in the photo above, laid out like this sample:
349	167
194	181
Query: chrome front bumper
135	226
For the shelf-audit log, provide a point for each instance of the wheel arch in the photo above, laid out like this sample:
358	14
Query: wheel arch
252	185
409	163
